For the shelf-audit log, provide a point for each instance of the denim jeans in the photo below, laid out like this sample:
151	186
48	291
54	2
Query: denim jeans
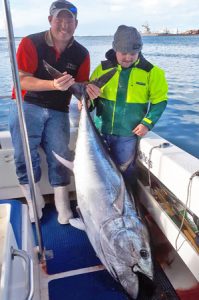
123	151
47	128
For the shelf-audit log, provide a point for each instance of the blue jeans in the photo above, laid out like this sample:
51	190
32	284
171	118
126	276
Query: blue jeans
47	128
123	151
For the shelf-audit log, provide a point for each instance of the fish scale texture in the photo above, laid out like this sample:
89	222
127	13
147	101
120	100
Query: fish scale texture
71	247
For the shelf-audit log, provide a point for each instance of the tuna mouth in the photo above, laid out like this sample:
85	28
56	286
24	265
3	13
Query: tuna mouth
146	284
148	273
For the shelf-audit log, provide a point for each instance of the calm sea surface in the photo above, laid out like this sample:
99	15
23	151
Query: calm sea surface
177	55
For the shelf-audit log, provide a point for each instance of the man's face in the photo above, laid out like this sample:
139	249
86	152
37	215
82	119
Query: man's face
63	26
126	59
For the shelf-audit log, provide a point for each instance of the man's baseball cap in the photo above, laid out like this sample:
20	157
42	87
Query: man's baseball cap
127	39
61	5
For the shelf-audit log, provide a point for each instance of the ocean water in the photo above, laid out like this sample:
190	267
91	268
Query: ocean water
177	55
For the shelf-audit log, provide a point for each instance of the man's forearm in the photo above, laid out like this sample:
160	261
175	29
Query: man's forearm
30	83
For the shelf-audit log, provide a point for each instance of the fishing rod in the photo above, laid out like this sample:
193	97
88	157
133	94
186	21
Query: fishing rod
22	123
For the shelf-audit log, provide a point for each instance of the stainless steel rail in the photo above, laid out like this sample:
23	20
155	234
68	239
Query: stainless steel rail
23	130
28	269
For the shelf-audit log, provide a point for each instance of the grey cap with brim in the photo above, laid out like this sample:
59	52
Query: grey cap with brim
127	40
62	5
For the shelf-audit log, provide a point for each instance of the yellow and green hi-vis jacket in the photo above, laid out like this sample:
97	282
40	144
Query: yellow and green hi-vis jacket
132	96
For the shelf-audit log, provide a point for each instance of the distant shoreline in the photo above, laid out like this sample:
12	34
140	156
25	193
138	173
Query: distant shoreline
167	33
143	34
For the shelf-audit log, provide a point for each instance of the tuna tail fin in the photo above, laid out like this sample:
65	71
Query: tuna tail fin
102	80
78	90
52	71
68	164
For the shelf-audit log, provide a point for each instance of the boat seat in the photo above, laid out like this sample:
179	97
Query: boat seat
15	219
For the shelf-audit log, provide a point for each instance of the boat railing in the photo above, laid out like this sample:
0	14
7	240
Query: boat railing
22	123
29	270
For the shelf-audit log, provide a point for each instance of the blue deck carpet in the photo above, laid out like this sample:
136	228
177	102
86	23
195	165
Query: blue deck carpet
72	250
101	286
93	286
71	247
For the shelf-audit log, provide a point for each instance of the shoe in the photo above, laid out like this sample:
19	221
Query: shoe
62	204
25	188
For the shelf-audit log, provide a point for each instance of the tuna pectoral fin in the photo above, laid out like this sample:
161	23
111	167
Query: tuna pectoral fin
77	223
66	163
118	204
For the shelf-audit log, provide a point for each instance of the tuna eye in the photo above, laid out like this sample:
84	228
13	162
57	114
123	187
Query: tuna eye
144	254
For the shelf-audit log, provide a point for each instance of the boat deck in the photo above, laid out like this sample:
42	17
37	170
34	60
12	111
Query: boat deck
74	272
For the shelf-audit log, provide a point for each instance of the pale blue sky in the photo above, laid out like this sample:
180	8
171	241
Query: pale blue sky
102	17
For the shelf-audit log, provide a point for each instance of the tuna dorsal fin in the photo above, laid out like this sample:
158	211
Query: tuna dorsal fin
68	164
118	204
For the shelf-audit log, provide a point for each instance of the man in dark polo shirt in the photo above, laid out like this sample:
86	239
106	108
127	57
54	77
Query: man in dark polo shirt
46	102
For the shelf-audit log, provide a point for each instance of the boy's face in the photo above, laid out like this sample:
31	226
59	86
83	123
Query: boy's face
126	59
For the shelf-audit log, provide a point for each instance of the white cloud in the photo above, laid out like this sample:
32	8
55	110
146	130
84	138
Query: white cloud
103	16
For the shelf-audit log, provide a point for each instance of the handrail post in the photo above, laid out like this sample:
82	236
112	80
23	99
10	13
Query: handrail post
22	123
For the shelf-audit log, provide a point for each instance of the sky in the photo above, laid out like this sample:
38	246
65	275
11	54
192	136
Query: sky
102	17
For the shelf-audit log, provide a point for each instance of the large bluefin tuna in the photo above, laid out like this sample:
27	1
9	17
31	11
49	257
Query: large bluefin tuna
111	221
